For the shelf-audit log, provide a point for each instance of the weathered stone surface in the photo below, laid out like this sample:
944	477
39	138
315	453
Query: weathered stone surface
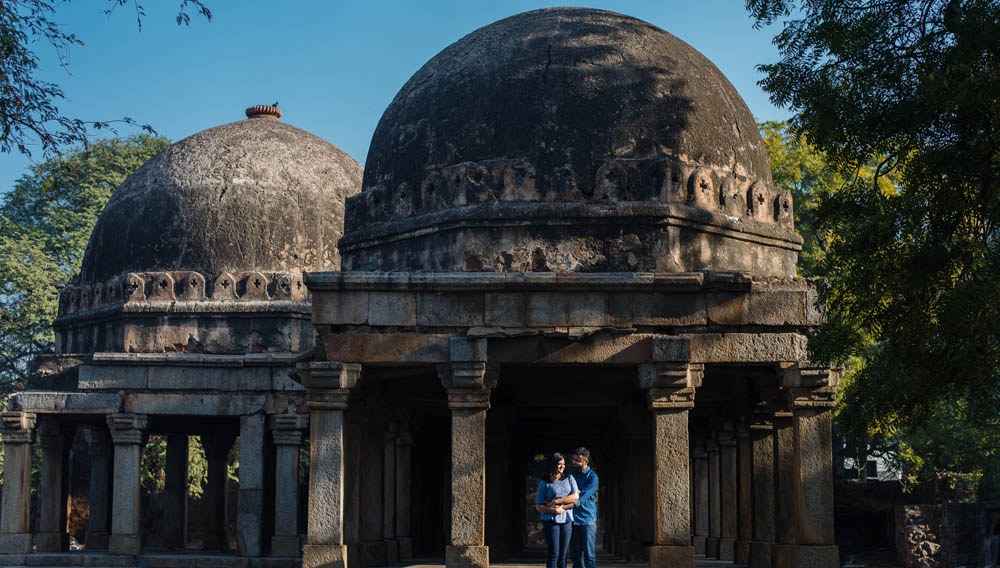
444	309
76	403
188	207
505	309
201	404
466	556
672	525
392	308
768	307
345	307
324	556
661	556
387	348
746	347
569	308
814	471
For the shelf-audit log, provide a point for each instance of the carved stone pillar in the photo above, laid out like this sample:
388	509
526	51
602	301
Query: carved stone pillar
671	388
175	492
762	440
783	553
812	401
287	432
354	419
128	432
468	400
744	522
250	500
217	450
328	386
99	518
389	495
15	519
728	505
404	452
53	491
714	498
700	496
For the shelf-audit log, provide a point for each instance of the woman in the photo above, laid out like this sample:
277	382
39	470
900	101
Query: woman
555	491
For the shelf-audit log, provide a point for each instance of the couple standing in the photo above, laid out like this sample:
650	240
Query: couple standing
568	507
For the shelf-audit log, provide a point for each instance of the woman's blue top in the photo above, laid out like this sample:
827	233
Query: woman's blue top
556	490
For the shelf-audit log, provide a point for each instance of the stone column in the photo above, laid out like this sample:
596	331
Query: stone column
129	437
250	500
783	553
389	495
700	496
174	525
15	518
287	435
744	521
728	504
372	484
52	493
468	400
813	435
762	440
354	428
328	386
98	519
671	389
714	496
404	450
217	450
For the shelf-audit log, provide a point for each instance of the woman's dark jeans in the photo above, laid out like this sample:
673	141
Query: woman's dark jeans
557	537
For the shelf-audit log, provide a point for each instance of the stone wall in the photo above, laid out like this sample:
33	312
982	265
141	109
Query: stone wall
949	535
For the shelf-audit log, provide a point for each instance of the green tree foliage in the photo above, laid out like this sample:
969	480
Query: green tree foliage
45	223
912	272
28	104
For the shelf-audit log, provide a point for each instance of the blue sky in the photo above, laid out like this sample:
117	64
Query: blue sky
333	65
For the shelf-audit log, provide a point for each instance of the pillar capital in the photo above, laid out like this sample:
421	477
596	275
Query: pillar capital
671	385
466	398
328	375
127	428
812	397
287	429
18	427
463	374
808	374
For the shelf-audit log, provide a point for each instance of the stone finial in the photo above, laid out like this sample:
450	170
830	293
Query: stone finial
263	111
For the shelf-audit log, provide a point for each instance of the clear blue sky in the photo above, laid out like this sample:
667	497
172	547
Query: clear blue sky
333	65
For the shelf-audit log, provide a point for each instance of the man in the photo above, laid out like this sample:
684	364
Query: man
583	545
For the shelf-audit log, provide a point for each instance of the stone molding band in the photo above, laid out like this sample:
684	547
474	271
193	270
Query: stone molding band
151	288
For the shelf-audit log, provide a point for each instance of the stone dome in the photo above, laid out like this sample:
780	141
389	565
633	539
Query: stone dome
252	195
569	139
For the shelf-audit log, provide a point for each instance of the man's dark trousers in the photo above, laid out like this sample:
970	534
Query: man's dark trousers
583	546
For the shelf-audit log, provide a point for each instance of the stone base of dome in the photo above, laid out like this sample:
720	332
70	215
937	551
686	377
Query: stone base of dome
559	237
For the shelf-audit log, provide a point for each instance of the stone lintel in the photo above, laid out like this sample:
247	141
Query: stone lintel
196	359
44	402
804	374
389	348
817	397
194	404
18	427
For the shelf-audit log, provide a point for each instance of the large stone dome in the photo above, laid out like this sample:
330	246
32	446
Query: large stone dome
254	195
569	139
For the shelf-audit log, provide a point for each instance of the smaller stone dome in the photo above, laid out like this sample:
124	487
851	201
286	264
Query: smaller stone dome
252	195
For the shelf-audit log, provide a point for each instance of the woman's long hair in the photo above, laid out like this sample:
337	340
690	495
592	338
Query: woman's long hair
551	463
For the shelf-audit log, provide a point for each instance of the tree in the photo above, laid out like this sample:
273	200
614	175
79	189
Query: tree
45	223
912	272
28	108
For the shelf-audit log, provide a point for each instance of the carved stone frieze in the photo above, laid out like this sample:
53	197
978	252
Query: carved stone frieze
182	286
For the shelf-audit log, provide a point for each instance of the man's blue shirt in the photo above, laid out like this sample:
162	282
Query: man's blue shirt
585	509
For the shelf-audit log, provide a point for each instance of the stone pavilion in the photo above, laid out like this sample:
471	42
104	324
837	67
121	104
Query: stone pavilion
567	234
